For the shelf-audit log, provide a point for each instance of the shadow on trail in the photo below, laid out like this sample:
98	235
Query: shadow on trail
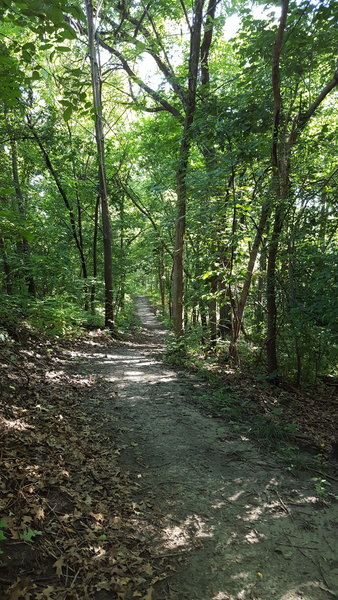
229	521
235	525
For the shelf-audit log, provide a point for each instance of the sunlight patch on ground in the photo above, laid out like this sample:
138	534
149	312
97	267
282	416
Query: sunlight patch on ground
53	374
174	537
16	424
300	594
235	496
253	537
182	535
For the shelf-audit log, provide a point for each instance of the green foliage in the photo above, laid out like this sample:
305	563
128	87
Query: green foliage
176	353
271	434
29	534
320	485
47	215
53	317
126	319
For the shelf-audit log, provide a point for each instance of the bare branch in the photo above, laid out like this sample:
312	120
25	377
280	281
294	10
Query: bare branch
155	95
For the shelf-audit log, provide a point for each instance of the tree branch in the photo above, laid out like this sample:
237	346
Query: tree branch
321	96
166	105
206	42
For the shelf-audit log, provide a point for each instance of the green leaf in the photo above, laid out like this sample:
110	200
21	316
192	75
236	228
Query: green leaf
68	33
76	12
63	49
68	113
55	15
28	534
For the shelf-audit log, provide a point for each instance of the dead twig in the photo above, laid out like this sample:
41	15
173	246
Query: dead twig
282	503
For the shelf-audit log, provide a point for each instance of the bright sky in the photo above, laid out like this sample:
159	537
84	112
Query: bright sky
147	68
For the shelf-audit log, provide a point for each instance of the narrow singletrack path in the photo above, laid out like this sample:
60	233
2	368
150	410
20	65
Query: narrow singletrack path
233	522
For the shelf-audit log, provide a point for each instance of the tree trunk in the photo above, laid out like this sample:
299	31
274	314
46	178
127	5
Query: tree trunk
161	278
259	312
271	303
181	173
213	311
238	314
122	257
96	228
84	271
279	187
22	210
64	196
7	269
99	135
204	322
224	324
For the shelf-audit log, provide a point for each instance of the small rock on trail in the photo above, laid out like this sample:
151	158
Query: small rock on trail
236	525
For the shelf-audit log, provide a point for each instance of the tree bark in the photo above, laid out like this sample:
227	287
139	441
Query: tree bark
64	196
7	269
213	311
96	229
99	135
22	210
181	173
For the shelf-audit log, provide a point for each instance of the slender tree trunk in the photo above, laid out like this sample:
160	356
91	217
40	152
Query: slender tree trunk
204	322
79	226
99	134
122	256
213	311
293	305
22	210
279	187
161	279
7	269
181	174
64	196
238	314
259	312
96	229
224	324
271	302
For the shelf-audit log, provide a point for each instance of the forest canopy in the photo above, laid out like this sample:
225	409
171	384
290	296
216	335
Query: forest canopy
186	150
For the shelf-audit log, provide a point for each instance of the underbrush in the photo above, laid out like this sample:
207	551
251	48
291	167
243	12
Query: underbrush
54	317
126	319
295	423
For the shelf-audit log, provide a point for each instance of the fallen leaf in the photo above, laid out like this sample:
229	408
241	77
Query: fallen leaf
18	589
59	563
148	569
46	593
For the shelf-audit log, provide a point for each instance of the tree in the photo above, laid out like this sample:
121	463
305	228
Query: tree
93	42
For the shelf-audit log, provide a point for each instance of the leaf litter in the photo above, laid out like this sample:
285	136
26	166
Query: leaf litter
69	529
232	526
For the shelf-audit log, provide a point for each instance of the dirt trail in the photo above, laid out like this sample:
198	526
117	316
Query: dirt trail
236	525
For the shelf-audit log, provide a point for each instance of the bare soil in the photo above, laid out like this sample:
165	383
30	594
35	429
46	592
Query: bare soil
236	525
132	490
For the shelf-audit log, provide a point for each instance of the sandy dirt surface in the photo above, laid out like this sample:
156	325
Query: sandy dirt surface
231	521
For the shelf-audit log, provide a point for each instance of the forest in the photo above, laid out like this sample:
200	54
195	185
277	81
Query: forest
167	166
155	149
